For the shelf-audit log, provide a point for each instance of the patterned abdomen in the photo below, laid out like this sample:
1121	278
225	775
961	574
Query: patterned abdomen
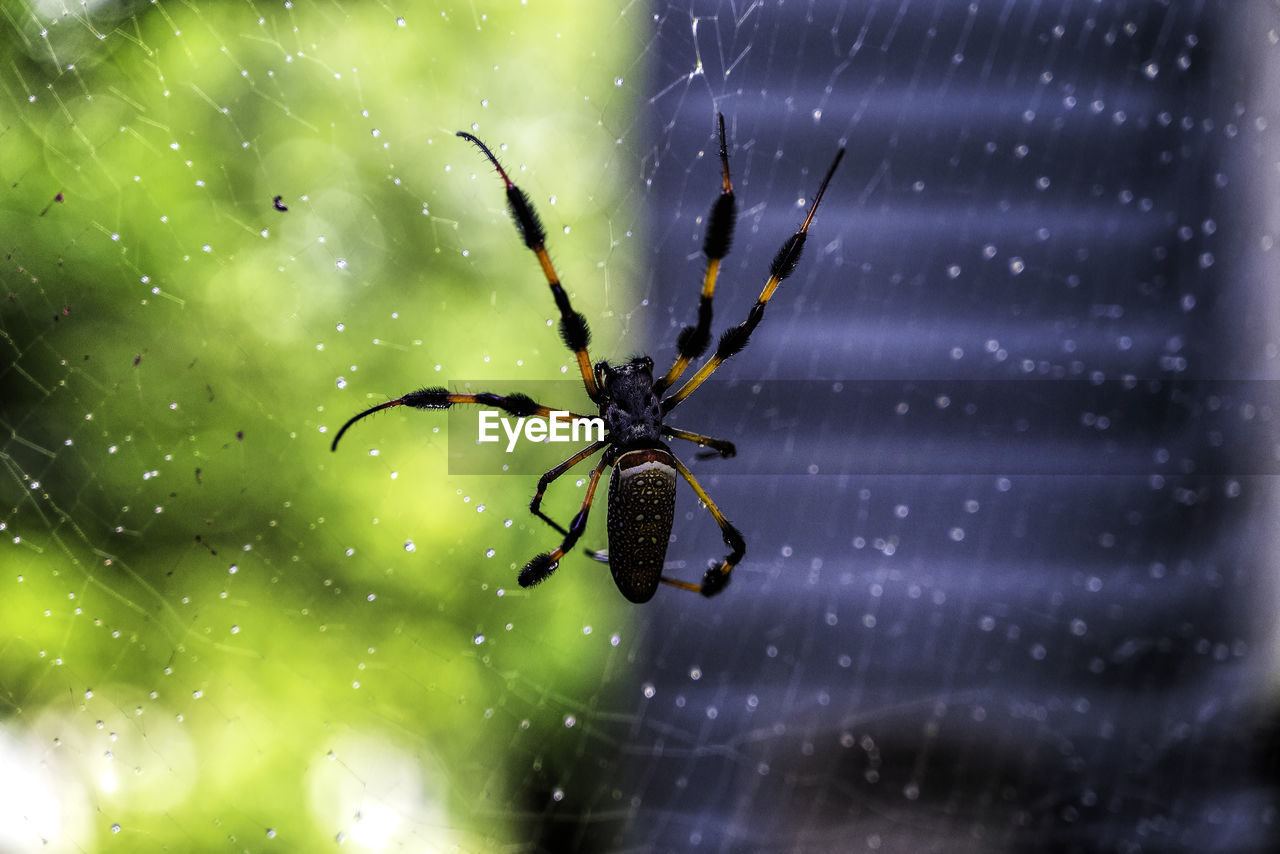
642	502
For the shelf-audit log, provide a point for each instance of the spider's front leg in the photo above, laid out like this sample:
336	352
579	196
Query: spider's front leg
694	340
573	325
736	337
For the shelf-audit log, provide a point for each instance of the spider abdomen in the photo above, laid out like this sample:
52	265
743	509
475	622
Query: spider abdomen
642	502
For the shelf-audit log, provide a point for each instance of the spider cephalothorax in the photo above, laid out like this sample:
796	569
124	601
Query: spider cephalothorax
630	406
633	405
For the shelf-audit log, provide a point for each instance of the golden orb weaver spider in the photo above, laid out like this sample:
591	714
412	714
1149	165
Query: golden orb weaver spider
642	487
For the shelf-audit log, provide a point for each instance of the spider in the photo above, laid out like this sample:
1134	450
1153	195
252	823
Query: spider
634	406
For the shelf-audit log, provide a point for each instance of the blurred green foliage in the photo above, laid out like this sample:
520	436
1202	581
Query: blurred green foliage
217	633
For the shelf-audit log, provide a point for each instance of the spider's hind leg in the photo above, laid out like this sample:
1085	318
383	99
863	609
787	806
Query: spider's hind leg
716	578
535	506
715	586
537	570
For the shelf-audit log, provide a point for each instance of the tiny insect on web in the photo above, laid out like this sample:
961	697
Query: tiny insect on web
642	486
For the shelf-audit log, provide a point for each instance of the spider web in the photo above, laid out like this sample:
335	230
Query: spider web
1006	454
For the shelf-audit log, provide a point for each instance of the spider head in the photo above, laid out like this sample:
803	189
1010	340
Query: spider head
626	379
631	410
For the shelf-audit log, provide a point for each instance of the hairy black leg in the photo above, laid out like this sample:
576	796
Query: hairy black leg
551	475
735	337
537	570
694	340
442	398
716	578
573	325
